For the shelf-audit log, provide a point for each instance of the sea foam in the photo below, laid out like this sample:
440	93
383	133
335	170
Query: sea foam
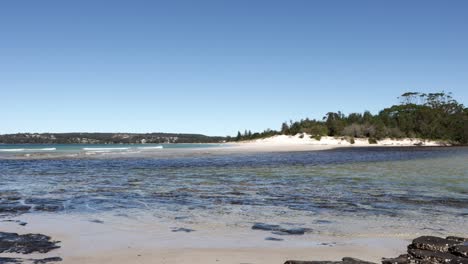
104	149
28	149
149	148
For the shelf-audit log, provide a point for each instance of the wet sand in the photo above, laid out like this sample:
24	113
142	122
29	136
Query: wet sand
85	240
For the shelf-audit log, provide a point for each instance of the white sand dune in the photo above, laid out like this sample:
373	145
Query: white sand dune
305	141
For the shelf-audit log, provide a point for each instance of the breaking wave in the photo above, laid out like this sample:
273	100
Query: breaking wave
150	148
28	149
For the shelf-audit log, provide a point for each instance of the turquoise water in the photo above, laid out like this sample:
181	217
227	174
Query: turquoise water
413	188
77	148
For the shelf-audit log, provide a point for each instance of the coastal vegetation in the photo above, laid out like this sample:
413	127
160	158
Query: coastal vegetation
432	116
105	138
435	116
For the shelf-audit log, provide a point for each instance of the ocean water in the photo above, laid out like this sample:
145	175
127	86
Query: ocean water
83	149
402	188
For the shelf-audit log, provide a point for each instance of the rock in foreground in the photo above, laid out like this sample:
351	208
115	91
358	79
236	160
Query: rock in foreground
345	260
29	261
434	250
423	250
26	244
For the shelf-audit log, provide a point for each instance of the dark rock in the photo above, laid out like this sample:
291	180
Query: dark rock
348	260
97	221
345	260
21	223
265	227
26	244
182	229
46	204
458	239
278	230
13	198
434	256
31	261
323	222
48	208
9	260
402	259
14	208
432	243
311	262
460	250
273	239
46	260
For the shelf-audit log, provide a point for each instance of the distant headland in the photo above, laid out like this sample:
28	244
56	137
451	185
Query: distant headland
105	138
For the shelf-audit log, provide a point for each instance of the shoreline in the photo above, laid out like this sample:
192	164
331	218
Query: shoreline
280	143
148	239
144	241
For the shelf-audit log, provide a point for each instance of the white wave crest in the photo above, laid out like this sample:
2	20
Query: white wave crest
28	149
104	149
149	148
44	149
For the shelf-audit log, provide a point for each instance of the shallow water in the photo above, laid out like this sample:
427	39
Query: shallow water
17	149
425	188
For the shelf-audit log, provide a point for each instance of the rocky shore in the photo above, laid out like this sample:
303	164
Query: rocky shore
26	244
423	250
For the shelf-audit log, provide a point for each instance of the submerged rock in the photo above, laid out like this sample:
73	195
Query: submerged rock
96	221
273	239
46	204
9	260
46	260
402	259
29	261
265	227
26	244
14	208
21	223
182	229
278	230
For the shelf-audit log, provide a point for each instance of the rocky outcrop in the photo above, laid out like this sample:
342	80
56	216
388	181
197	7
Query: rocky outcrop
431	243
29	261
26	244
422	250
434	250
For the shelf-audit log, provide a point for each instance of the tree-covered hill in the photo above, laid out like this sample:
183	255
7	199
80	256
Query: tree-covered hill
105	138
435	116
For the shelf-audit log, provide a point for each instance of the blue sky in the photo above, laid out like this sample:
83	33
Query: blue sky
215	67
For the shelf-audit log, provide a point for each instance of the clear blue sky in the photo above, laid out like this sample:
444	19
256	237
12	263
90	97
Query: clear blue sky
215	67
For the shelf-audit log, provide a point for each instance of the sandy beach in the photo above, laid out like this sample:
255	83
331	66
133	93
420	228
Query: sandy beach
145	240
307	142
279	143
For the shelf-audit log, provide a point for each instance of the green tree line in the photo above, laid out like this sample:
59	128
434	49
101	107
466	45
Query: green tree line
435	116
